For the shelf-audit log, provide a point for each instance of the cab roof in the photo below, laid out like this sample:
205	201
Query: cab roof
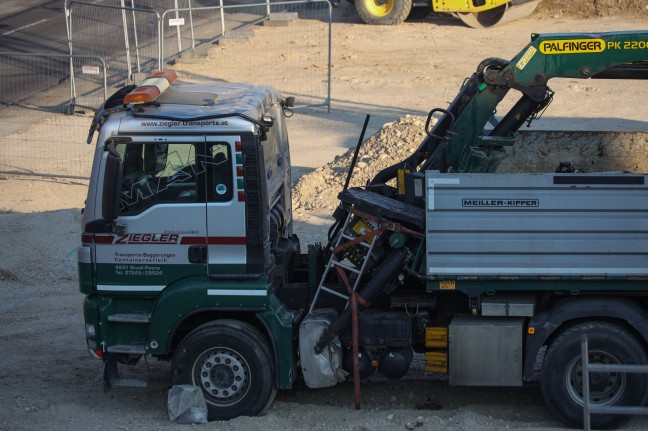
190	101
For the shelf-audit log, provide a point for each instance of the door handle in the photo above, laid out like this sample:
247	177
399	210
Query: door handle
198	254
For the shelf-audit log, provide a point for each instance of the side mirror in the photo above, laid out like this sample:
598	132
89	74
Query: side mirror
111	193
289	102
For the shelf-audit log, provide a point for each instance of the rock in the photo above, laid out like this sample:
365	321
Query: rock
413	424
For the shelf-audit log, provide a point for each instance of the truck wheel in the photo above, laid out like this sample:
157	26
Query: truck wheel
231	362
561	379
383	12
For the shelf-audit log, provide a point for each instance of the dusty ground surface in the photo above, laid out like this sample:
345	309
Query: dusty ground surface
49	382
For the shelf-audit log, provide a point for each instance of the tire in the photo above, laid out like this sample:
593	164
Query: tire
383	12
232	364
608	344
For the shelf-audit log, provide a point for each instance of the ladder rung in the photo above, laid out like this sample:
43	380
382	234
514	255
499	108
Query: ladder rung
334	292
347	267
351	238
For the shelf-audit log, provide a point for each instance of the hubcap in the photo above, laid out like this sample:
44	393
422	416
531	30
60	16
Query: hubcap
224	376
605	387
379	7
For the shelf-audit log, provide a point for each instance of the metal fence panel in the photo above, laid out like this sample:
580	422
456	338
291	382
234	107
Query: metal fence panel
125	35
22	75
296	34
44	144
34	90
137	37
118	42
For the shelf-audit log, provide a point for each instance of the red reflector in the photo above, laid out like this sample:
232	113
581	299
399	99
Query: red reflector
238	146
99	353
240	171
241	196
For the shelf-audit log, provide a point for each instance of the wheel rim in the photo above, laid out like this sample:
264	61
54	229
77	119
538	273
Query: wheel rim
379	7
605	387
223	374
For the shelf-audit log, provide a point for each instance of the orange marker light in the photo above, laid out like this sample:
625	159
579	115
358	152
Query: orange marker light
531	330
151	88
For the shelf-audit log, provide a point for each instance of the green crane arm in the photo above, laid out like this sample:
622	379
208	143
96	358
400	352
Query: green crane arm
460	142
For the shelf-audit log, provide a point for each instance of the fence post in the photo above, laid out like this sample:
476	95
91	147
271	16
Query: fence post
137	48
191	26
126	41
160	24
330	45
68	27
177	15
585	371
222	15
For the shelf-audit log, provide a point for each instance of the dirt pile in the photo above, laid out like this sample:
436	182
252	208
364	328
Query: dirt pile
393	143
592	8
534	152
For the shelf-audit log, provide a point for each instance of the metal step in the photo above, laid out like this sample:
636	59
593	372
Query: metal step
130	318
129	349
130	383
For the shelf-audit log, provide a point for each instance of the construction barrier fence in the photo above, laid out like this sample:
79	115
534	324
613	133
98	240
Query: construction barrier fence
114	43
137	37
35	138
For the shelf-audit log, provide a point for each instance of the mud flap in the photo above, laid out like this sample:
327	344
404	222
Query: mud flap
110	374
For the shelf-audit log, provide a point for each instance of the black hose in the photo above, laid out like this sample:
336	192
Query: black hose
378	284
492	62
513	120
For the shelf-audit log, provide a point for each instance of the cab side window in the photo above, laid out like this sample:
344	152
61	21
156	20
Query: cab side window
157	173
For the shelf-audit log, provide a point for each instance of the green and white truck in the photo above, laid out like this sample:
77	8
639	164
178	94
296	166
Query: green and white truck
188	252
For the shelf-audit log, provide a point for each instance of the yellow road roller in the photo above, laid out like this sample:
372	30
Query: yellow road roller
474	13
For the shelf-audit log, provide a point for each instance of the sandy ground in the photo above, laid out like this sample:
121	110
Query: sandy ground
49	382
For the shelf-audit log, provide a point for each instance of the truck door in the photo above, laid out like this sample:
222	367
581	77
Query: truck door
161	232
225	206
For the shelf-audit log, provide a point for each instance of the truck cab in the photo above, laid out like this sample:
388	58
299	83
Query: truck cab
188	214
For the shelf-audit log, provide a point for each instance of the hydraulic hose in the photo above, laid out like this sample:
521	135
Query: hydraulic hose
513	120
378	284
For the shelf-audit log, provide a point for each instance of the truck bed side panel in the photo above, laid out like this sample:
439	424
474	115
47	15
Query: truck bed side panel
534	225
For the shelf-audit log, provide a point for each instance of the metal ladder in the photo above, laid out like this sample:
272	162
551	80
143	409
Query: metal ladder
344	269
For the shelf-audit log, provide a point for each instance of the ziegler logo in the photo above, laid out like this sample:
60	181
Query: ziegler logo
147	238
572	46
